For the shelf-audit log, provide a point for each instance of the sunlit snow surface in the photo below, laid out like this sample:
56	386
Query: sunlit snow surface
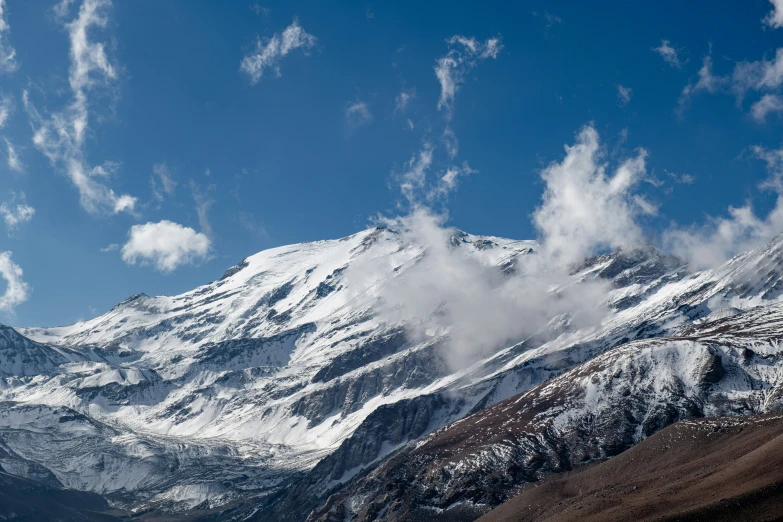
237	384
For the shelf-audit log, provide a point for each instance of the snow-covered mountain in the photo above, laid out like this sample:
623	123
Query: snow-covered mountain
279	389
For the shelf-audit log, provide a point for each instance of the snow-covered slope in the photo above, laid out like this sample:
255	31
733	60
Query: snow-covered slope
281	378
276	363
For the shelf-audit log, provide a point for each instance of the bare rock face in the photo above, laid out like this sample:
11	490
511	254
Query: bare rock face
591	413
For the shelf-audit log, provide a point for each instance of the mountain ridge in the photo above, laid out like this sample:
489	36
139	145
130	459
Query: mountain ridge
279	389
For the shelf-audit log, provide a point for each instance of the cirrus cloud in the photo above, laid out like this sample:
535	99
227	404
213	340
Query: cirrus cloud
60	136
16	212
464	54
268	53
669	53
8	63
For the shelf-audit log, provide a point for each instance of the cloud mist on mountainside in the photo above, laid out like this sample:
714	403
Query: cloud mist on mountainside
589	205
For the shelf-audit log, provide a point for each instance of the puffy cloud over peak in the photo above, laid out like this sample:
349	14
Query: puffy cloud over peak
585	207
164	245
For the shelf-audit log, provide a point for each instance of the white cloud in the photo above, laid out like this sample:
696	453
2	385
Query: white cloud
721	238
585	209
774	160
16	212
415	175
165	245
706	82
775	17
60	136
449	292
451	142
682	179
17	290
8	63
464	54
6	109
268	53
588	206
769	103
12	158
624	95
358	113
162	181
402	100
759	75
420	189
669	54
448	182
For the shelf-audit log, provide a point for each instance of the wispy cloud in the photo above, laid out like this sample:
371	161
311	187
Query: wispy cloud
421	187
463	55
16	212
768	104
12	157
60	136
259	9
681	179
669	53
747	76
268	52
403	99
8	63
414	176
774	160
624	95
550	18
357	113
720	238
16	291
162	181
203	203
451	142
249	223
706	82
165	245
774	18
759	75
448	182
6	109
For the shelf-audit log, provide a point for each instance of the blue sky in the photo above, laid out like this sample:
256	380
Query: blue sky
211	161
